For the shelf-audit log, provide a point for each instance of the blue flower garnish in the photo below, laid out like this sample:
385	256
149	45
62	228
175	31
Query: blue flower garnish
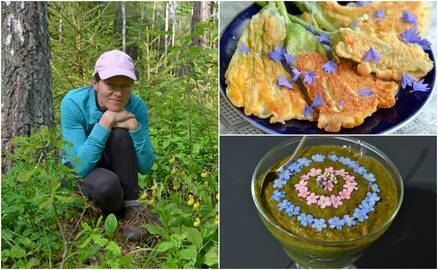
365	92
296	73
317	101
333	157
363	3
373	196
289	58
294	167
309	77
311	30
277	54
374	188
307	111
407	80
282	81
369	177
278	195
360	170
285	174
354	26
329	67
371	56
360	214
367	206
318	158
279	183
319	224
305	219
341	104
304	161
283	205
337	223
379	13
244	49
323	38
349	221
293	210
409	17
419	86
411	36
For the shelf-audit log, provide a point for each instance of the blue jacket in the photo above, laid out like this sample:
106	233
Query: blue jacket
79	126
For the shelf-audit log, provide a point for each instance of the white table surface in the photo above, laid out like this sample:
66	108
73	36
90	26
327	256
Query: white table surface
424	122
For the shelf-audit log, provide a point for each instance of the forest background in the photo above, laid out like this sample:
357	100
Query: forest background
174	46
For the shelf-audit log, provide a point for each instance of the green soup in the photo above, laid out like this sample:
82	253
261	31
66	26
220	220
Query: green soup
346	180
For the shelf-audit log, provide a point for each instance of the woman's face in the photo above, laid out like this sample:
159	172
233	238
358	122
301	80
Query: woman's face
113	93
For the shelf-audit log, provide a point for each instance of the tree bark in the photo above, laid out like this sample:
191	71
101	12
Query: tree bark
26	75
201	13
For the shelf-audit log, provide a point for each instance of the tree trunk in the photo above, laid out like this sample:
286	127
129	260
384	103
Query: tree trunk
123	15
26	75
166	29
201	13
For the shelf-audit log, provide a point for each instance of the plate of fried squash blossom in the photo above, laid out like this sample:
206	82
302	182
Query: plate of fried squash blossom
328	67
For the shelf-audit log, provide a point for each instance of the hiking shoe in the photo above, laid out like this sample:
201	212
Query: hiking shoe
135	218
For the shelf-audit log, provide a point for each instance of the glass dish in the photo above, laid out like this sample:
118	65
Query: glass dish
317	253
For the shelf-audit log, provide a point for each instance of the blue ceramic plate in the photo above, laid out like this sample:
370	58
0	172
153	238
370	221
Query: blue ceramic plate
381	121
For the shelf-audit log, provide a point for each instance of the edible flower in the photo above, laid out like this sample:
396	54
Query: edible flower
360	214
282	81
305	219
407	80
341	172
419	86
312	198
309	77
369	177
314	171
409	17
279	183
329	67
336	201
379	13
278	195
317	101
354	26
289	58
324	201
365	92
411	36
344	194
244	49
374	188
363	3
294	167
296	73
318	158
371	55
323	38
285	174
349	221
373	196
311	29
333	157
277	54
319	224
307	111
283	205
366	206
303	192
337	223
360	170
304	161
329	186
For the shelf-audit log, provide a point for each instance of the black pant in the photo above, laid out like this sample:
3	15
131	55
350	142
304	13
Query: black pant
115	178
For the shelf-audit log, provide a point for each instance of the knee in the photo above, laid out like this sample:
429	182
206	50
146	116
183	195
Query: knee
120	135
106	190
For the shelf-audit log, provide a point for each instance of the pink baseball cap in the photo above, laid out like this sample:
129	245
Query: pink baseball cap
114	63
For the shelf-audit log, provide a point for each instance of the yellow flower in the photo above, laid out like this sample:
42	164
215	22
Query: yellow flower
204	174
143	196
197	222
196	205
191	200
172	160
151	202
216	220
173	171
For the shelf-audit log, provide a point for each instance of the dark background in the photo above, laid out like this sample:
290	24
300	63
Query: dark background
410	242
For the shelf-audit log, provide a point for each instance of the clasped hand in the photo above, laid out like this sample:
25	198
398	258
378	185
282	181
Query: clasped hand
122	119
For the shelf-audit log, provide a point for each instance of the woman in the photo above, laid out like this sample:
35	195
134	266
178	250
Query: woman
107	127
